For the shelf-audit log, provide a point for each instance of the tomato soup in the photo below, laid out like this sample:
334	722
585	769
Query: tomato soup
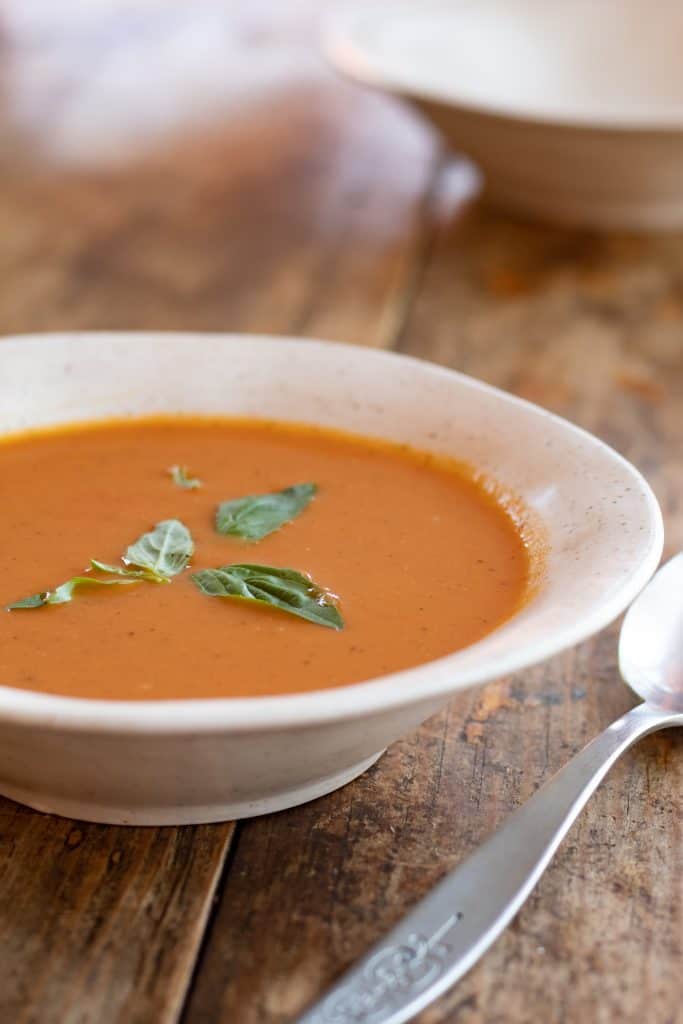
418	557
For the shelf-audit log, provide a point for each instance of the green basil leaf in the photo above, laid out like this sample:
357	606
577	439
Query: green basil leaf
157	556
287	589
121	570
164	551
65	591
34	601
181	478
257	515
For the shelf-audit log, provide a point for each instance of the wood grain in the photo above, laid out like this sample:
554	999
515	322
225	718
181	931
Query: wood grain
101	923
305	219
309	206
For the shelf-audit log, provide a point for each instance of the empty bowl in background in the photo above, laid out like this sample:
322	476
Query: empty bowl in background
573	110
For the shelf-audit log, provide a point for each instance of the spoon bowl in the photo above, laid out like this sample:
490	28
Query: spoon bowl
651	641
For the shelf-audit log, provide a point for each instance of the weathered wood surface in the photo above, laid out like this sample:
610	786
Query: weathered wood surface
320	209
99	923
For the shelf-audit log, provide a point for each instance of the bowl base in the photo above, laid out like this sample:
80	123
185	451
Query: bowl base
588	212
104	814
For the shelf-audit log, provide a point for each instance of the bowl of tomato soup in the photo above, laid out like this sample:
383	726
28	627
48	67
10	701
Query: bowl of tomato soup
236	568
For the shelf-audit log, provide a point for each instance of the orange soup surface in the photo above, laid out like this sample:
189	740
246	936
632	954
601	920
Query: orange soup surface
423	560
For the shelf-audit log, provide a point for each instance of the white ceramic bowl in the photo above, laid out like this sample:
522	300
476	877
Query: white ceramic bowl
173	762
572	108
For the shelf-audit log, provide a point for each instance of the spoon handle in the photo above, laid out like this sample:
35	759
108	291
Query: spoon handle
457	921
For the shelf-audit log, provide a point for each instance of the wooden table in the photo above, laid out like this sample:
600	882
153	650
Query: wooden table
303	205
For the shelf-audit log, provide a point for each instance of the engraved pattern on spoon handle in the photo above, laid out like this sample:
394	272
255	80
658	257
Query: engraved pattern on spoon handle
457	921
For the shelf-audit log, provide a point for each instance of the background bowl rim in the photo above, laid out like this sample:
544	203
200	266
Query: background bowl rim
341	50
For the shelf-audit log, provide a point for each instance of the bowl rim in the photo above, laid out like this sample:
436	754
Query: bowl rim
340	48
427	682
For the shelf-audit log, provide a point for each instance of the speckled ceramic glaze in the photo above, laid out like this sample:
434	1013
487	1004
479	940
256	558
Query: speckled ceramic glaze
175	762
573	110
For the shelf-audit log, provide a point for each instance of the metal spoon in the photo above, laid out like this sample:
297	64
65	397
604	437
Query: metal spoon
450	928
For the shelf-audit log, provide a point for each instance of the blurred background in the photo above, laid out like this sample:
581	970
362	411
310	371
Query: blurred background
100	82
196	165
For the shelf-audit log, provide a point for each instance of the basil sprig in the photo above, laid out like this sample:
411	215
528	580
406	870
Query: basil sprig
164	551
286	589
181	478
132	574
157	556
254	517
65	591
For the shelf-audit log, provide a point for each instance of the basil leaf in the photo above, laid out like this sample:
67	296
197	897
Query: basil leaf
120	570
164	551
158	555
34	601
65	591
287	589
180	478
257	515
